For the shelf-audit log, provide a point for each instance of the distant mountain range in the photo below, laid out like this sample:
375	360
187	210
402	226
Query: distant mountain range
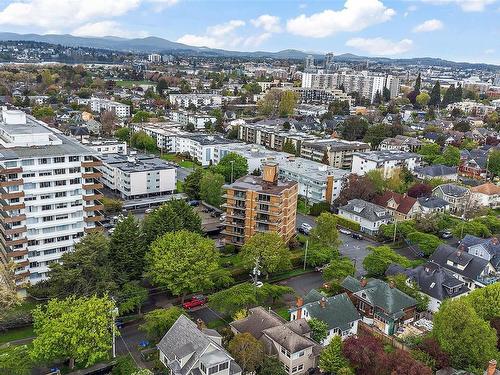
154	44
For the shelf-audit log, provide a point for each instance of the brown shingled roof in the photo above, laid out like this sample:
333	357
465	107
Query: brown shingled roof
487	188
404	202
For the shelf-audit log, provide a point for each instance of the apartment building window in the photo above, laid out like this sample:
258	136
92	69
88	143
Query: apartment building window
45	184
29	185
62	238
61	205
74	170
43	161
74	158
27	175
60	194
33	242
47	218
28	162
60	183
46	207
74	181
33	253
60	171
59	159
42	174
62	217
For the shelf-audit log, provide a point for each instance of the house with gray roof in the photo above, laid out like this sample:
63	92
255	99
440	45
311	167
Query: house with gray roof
432	204
381	304
337	312
476	272
486	248
189	349
289	342
369	215
457	196
434	281
437	171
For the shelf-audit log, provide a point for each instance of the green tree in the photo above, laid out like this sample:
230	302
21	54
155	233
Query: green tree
125	365
123	134
45	113
8	289
338	269
170	217
245	295
418	84
289	147
426	242
126	250
325	233
141	116
486	301
423	99
74	328
271	366
457	328
376	134
211	188
430	152
319	329
287	103
462	126
449	96
83	272
15	360
183	262
268	105
379	258
354	128
339	107
377	179
131	297
247	351
158	322
142	141
269	249
494	162
192	184
232	166
161	86
450	156
435	96
112	206
331	359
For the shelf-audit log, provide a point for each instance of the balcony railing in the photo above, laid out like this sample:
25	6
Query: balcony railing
12	207
93	230
93	197
91	174
95	207
91	163
10	170
93	219
14	194
16	182
92	186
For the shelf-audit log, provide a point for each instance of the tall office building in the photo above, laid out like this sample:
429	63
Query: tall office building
49	195
309	62
329	64
260	204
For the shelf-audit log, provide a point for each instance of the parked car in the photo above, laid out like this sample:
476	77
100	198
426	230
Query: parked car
357	236
149	210
195	301
194	203
345	231
446	234
320	268
305	228
259	284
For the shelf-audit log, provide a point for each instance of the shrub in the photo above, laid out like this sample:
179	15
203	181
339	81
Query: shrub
346	223
317	208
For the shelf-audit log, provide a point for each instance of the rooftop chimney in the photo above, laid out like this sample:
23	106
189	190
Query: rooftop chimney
322	302
391	284
299	304
492	366
363	282
270	172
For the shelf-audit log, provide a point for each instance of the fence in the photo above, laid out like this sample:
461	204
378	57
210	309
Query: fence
362	326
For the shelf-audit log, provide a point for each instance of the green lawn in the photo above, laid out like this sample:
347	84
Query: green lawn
302	207
179	160
283	312
16	334
179	186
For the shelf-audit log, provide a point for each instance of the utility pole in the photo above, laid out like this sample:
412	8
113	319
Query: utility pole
232	169
255	272
305	254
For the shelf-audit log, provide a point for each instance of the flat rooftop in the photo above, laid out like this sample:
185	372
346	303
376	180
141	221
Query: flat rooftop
135	163
335	145
378	156
257	184
208	139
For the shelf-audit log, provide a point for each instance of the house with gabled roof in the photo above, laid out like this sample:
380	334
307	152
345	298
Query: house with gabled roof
437	171
432	280
381	304
476	272
401	206
487	195
189	349
457	196
486	248
289	342
337	312
370	216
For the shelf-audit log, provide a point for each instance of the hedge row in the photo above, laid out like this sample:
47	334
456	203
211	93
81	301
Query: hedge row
346	223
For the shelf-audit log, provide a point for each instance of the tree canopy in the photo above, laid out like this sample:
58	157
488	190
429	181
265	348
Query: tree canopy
158	322
232	165
269	249
211	190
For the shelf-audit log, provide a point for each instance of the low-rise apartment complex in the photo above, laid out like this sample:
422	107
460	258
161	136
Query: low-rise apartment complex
337	152
99	105
260	204
388	162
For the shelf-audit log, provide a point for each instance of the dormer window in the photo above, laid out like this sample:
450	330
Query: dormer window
203	368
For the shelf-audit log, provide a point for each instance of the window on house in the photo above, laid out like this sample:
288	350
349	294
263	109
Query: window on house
223	366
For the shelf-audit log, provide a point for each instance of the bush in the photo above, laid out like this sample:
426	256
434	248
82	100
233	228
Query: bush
428	243
317	208
346	223
229	249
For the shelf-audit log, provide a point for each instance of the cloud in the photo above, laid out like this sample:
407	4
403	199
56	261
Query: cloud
256	40
268	23
355	16
429	25
466	5
106	28
380	46
64	14
411	8
489	51
223	29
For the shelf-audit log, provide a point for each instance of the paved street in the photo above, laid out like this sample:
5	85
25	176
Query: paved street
351	248
303	284
182	173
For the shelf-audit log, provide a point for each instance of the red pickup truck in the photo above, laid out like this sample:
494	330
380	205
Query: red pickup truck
195	301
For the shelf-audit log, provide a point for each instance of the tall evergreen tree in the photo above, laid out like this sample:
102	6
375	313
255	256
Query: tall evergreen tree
331	359
449	96
457	97
378	98
435	95
418	84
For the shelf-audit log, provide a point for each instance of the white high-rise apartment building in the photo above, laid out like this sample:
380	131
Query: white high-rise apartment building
154	57
49	195
99	105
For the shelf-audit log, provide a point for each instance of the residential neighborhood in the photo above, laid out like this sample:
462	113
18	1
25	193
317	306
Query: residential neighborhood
204	207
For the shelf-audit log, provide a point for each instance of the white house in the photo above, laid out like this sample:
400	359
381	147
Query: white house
386	161
487	195
369	216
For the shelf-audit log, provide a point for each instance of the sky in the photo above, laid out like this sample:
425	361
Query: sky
459	30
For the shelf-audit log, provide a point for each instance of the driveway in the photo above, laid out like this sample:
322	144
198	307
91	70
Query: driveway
303	284
356	250
182	173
